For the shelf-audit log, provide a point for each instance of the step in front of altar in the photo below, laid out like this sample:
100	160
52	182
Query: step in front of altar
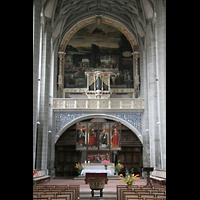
111	177
106	194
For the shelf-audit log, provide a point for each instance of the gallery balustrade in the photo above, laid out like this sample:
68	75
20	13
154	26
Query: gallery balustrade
111	103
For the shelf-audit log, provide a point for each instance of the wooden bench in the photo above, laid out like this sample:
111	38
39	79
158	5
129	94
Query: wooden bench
40	176
69	192
158	175
144	191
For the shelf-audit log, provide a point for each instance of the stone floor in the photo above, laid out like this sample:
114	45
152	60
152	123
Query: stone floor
109	191
111	186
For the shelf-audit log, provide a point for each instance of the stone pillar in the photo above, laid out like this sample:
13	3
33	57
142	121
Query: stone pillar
94	75
160	19
43	127
88	78
152	97
36	52
136	77
61	56
109	82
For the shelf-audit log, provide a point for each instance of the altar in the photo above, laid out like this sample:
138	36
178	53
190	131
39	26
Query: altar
84	172
98	168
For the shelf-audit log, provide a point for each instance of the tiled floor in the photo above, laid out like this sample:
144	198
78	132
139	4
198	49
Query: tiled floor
111	186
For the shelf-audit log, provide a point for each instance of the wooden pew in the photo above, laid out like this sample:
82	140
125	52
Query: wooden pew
151	192
59	198
40	176
69	192
77	188
65	194
158	175
126	194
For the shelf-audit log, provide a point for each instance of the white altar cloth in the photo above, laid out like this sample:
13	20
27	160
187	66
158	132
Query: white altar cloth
99	167
95	171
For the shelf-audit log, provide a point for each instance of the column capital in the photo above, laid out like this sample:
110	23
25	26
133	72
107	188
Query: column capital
135	54
61	54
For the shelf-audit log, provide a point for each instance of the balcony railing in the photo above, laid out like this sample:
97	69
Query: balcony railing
111	103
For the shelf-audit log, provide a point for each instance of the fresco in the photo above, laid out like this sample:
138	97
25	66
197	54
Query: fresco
98	47
115	131
98	157
104	136
92	136
98	136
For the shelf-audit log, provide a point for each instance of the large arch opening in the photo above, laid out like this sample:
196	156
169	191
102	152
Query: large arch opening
66	154
105	45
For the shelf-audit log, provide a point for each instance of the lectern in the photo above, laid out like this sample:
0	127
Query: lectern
148	170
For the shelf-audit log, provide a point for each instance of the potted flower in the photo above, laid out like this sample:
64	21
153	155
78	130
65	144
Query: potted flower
130	178
106	162
118	167
79	167
35	172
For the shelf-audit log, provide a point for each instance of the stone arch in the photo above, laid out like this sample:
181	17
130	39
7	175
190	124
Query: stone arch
90	20
131	127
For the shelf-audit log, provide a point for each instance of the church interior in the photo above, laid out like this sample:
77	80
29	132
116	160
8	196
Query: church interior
99	98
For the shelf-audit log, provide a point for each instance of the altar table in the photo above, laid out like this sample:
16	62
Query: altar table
83	173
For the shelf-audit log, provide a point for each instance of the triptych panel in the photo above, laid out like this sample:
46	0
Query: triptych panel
98	136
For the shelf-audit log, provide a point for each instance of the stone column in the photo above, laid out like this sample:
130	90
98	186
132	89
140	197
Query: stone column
36	52
160	18
152	97
109	82
136	77
61	56
88	78
94	75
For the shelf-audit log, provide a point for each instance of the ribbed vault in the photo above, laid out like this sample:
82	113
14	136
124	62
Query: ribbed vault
64	14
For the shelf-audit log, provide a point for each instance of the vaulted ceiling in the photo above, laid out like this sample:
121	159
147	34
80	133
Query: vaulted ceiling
131	13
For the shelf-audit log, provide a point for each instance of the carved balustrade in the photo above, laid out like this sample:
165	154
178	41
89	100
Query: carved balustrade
114	103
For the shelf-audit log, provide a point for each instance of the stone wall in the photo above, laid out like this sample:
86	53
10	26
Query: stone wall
150	125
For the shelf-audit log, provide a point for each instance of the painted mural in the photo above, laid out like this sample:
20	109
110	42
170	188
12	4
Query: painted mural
98	136
98	47
81	141
115	136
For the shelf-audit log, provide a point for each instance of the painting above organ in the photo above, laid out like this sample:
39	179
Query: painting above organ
89	50
98	136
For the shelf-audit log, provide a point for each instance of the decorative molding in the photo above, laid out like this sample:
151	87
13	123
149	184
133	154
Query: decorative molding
86	103
113	90
91	20
63	118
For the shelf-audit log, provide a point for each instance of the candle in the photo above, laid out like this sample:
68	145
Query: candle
85	161
88	161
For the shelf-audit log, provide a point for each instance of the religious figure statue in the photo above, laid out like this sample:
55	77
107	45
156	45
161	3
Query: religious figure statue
104	138
81	138
115	138
92	138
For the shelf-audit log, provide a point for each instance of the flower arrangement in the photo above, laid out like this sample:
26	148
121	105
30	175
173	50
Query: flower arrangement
35	172
79	167
105	163
130	178
118	167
